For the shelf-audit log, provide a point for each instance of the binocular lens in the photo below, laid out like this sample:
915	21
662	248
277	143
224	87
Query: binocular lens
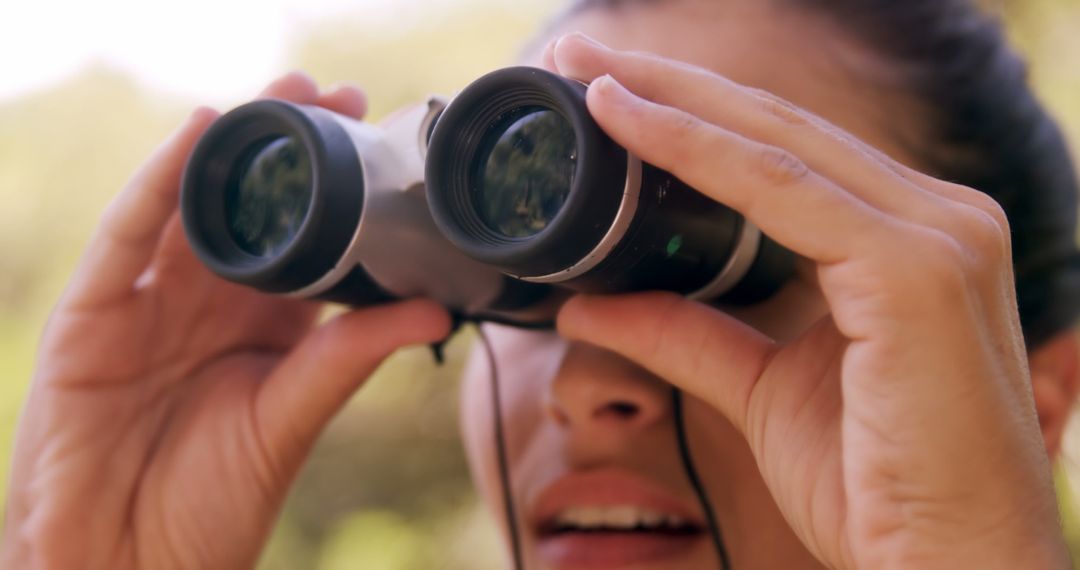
494	205
268	196
520	177
527	174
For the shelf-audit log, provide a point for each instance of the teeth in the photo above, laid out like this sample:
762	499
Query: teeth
622	517
590	517
652	519
618	517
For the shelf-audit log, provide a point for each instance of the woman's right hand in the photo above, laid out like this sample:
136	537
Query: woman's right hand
170	410
899	431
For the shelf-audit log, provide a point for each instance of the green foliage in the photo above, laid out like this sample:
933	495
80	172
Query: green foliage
63	154
376	539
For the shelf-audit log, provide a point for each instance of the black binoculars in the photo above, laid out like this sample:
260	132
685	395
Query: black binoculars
496	204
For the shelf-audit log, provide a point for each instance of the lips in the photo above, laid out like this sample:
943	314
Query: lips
610	519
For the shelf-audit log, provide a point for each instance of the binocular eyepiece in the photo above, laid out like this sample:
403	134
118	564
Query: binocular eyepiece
495	205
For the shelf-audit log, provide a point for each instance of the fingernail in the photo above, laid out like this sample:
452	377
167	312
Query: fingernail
201	114
586	39
297	74
607	86
343	85
550	46
578	36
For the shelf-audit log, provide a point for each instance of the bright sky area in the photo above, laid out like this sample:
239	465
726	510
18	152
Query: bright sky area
212	50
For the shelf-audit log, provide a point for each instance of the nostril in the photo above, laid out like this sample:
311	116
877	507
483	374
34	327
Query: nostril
620	409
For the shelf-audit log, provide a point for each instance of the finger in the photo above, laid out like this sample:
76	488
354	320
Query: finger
295	86
345	99
547	57
966	216
755	114
695	347
174	256
970	217
796	206
128	234
309	387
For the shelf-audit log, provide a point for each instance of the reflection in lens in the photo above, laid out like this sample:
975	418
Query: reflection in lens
528	174
269	196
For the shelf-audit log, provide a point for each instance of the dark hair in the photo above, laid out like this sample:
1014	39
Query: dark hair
987	130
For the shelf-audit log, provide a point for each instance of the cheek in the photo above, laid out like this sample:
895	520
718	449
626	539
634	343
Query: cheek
476	426
753	526
720	454
524	379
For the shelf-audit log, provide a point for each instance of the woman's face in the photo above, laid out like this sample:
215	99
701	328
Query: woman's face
591	438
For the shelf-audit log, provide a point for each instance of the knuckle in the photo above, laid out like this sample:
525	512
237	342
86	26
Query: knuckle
979	200
986	236
912	274
989	206
943	262
925	264
684	126
981	226
997	214
983	230
781	109
778	166
668	324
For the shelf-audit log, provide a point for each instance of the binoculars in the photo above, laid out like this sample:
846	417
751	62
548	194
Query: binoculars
498	204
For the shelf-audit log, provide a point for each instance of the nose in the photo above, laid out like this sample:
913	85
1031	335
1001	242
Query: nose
599	392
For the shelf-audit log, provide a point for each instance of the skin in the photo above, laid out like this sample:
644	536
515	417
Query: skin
854	422
877	413
170	410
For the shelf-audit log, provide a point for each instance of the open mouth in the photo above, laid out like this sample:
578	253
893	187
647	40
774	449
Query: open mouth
616	536
611	518
621	519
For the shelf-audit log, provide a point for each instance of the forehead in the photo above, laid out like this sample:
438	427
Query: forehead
799	56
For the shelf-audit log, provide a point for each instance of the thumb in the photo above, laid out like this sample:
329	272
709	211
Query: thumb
319	375
699	349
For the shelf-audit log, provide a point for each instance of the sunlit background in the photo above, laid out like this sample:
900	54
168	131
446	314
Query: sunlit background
87	89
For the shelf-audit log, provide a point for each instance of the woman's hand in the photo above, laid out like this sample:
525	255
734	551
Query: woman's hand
171	410
899	431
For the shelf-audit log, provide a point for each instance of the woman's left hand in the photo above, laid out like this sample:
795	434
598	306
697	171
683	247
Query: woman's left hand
900	430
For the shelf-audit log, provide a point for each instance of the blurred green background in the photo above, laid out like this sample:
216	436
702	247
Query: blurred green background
387	486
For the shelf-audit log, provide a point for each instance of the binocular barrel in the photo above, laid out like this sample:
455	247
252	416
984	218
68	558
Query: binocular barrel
494	204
